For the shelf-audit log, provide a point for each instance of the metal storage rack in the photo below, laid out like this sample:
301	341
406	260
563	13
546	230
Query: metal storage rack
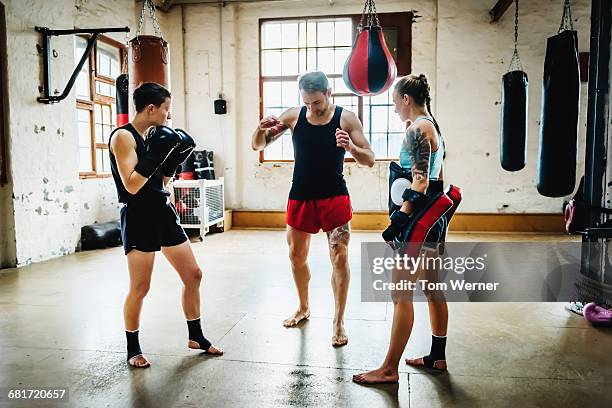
200	203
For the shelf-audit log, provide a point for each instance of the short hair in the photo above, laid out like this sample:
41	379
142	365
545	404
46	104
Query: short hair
314	81
150	93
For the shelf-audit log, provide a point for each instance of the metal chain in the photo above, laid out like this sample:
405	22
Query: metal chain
148	5
370	14
566	19
516	60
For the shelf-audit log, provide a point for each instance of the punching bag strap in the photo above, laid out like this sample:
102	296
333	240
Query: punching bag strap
369	14
515	63
566	19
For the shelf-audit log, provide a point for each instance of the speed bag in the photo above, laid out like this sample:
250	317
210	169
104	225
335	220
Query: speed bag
122	99
559	121
369	69
149	61
513	130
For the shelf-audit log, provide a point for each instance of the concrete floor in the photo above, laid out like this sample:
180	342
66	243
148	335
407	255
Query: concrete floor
61	325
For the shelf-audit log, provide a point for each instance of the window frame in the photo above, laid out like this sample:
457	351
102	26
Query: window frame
89	105
402	20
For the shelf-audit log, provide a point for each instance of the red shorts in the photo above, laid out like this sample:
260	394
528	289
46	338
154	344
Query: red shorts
321	214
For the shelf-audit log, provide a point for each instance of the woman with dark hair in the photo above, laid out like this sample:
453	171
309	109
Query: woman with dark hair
422	153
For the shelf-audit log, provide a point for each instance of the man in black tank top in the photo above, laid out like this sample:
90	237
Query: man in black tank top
322	133
141	169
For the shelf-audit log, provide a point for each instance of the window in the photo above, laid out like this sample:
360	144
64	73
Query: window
290	47
95	93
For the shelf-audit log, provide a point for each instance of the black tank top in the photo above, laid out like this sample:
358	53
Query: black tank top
153	189
318	161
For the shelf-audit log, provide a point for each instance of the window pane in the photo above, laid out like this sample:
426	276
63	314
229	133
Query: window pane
99	135
99	160
339	86
342	55
114	114
106	161
289	35
85	164
325	34
325	61
105	89
381	99
83	80
106	112
395	144
103	64
273	111
287	144
271	61
344	33
311	34
108	60
379	118
379	144
106	131
395	124
98	113
302	58
290	94
311	59
290	62
302	28
272	94
271	37
84	128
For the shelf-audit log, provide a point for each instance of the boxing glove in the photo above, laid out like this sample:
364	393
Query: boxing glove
178	156
161	143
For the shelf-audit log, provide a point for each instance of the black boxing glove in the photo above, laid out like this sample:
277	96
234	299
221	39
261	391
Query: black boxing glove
399	220
161	143
180	154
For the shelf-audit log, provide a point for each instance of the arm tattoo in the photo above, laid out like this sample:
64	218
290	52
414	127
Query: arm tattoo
420	151
275	132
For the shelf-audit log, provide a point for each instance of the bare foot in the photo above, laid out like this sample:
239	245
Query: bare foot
139	361
418	362
212	350
296	318
339	338
379	376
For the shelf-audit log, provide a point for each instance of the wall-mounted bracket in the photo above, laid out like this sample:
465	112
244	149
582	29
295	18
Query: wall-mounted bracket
46	42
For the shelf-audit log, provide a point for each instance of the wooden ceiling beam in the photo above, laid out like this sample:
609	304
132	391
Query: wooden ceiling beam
499	9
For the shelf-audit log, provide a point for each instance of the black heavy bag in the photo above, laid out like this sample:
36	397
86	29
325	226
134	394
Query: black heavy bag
98	236
560	108
122	100
513	134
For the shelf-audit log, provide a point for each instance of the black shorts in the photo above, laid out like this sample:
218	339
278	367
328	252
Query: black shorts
148	226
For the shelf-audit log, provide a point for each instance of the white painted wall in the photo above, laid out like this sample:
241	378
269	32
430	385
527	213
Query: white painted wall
51	202
453	42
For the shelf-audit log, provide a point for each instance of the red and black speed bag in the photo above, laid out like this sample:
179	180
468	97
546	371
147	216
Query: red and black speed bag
369	69
122	99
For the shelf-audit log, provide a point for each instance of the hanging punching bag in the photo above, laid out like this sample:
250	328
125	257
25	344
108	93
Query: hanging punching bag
149	61
122	99
513	129
513	142
369	69
560	108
